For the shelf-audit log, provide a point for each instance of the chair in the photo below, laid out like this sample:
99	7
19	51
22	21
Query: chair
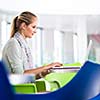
26	88
84	86
59	79
30	88
6	92
97	97
40	85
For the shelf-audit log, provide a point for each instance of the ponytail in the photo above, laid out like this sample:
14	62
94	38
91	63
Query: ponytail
14	27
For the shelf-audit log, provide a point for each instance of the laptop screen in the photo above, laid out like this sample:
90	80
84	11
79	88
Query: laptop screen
88	50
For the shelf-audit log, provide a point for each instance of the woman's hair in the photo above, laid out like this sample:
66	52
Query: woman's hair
26	17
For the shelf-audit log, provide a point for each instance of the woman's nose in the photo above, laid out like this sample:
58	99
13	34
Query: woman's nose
35	30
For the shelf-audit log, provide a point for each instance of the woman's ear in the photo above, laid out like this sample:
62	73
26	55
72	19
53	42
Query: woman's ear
23	26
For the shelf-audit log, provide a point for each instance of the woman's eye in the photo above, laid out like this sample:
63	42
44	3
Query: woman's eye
34	26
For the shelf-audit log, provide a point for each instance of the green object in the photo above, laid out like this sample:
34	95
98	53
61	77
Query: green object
41	85
25	88
59	79
29	88
54	85
78	64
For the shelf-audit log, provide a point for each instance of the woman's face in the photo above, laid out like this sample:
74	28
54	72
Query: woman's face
30	30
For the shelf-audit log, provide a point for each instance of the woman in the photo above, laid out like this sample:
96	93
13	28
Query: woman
16	53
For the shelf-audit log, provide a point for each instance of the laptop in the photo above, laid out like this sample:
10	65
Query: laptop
71	68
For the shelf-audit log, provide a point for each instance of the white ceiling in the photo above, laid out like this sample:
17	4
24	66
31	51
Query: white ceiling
57	14
53	6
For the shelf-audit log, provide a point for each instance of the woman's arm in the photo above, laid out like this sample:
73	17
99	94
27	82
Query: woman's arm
14	57
44	70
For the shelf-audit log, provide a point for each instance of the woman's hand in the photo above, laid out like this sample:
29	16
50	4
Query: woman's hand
46	69
55	64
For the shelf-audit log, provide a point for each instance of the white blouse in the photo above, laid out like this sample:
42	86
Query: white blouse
14	57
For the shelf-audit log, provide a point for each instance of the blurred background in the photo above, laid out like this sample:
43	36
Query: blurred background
64	30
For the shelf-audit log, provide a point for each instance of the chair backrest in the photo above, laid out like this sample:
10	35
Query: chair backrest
97	97
85	85
6	91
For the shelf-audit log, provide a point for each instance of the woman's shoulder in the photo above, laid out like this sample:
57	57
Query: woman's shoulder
12	42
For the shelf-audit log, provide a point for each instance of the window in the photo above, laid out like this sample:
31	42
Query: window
36	47
58	46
